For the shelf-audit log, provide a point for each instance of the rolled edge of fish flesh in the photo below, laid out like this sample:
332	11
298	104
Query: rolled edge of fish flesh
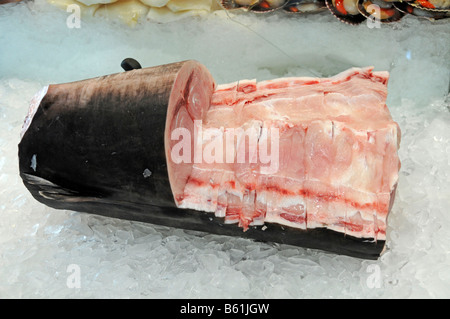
103	146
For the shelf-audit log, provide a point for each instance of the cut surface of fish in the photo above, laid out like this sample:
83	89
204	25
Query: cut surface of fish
336	164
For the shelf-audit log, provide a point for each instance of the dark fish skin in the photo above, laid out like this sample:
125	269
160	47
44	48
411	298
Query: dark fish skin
97	146
97	136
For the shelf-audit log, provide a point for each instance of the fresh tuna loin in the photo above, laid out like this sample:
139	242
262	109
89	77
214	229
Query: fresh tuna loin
310	162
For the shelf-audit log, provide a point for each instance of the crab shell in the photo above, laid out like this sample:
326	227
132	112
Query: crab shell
421	12
258	6
432	5
345	11
305	6
384	12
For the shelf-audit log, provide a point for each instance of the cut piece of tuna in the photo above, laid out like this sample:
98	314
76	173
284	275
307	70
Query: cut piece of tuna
303	161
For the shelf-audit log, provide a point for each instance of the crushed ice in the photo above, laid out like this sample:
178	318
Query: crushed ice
33	162
147	173
118	258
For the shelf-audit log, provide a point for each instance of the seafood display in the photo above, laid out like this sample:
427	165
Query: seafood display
349	11
310	162
132	12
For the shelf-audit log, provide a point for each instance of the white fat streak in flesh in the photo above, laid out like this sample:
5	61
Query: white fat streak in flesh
200	198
